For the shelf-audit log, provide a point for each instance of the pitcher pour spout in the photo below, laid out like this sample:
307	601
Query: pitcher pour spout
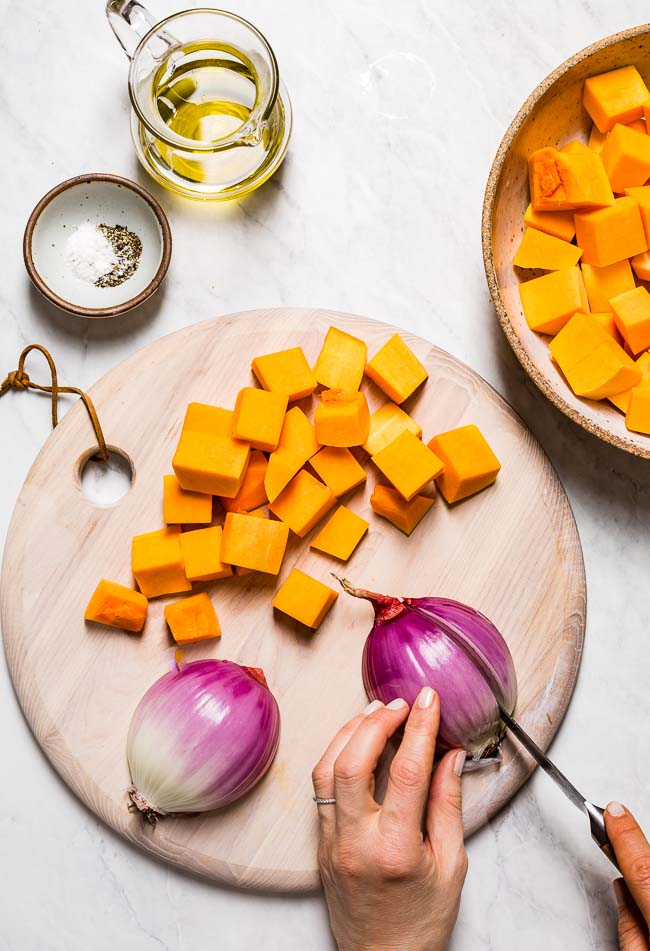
130	22
251	135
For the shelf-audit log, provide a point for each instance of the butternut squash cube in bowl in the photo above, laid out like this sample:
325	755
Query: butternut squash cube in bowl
566	230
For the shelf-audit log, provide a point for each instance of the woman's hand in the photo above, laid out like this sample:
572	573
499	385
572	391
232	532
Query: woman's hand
633	894
389	884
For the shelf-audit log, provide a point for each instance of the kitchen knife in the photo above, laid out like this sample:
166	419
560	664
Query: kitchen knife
594	813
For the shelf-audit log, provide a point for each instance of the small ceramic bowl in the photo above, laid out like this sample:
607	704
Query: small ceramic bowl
552	115
101	199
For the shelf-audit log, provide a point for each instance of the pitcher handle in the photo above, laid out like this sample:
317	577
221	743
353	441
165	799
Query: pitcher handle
130	21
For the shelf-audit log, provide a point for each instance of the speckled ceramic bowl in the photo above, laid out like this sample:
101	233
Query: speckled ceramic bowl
97	198
552	115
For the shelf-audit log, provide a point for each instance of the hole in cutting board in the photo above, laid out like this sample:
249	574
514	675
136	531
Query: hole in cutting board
106	483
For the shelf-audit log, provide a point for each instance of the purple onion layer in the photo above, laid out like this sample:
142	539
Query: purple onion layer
201	737
407	650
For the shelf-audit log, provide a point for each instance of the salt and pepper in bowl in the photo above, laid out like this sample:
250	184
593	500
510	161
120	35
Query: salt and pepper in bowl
97	245
103	255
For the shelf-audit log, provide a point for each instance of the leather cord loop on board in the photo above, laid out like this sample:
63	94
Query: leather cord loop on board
19	380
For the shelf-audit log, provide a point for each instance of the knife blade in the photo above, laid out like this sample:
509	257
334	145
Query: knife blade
594	813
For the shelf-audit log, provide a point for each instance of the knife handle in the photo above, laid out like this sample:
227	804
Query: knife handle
599	832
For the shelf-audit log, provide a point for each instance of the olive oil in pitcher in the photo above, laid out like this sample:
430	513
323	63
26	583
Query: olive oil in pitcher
211	118
202	94
206	92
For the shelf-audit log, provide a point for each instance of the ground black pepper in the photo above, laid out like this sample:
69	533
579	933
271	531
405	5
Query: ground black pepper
127	248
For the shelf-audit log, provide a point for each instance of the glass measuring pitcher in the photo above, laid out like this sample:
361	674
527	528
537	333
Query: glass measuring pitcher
210	116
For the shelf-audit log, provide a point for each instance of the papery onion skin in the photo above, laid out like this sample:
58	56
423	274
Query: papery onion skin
407	650
201	737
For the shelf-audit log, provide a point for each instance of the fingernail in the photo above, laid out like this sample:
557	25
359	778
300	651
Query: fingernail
396	704
619	892
459	762
616	809
375	705
425	697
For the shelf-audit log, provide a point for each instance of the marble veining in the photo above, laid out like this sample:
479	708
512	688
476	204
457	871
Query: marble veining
398	112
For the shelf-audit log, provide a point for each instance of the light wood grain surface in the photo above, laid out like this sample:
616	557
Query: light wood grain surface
512	551
552	115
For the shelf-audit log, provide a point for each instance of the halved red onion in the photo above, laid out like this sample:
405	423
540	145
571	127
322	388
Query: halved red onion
201	737
447	645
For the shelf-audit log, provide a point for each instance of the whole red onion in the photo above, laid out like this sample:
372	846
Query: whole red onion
201	736
447	645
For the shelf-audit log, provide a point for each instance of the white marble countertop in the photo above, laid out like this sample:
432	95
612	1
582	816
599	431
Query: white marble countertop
399	109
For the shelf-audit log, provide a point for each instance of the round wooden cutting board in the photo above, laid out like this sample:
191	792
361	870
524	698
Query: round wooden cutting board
512	551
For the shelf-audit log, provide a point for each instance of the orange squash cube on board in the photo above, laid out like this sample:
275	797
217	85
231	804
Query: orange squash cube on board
641	265
283	466
341	534
192	619
286	371
610	234
592	362
562	180
304	599
342	418
637	418
298	435
341	362
388	503
258	417
622	400
117	606
597	139
626	157
201	551
338	469
550	301
603	283
211	463
257	513
396	370
470	464
616	96
204	418
249	541
386	424
297	445
638	125
157	562
240	572
641	196
559	224
408	464
544	251
184	506
608	322
632	315
251	493
303	503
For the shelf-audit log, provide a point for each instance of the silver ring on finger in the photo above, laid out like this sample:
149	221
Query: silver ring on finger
322	801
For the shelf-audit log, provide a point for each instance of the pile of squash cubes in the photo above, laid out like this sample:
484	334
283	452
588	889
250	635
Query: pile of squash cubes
594	302
274	471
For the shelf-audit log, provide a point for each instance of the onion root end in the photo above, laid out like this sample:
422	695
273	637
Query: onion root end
139	803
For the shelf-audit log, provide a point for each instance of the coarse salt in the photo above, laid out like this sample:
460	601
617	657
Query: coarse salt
89	254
